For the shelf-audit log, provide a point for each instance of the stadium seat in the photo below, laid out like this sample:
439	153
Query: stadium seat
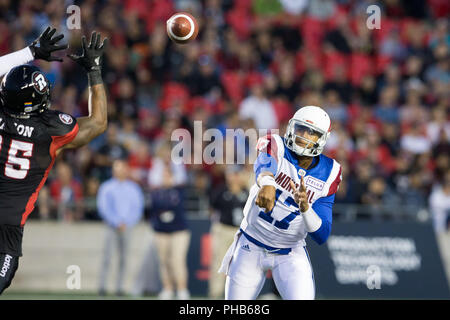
360	66
381	62
439	8
171	92
331	61
233	84
312	31
241	21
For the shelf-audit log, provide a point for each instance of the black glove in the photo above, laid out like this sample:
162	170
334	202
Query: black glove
47	45
90	59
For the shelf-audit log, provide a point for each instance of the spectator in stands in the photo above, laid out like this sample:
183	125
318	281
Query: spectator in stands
90	199
67	194
121	205
109	151
258	108
334	107
413	110
339	82
439	71
378	194
362	176
415	140
140	163
288	85
128	137
168	218
205	78
438	127
227	202
366	93
387	109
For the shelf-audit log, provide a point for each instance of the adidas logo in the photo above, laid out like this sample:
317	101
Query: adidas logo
246	247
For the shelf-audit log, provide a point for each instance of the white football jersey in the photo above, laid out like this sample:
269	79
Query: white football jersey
284	227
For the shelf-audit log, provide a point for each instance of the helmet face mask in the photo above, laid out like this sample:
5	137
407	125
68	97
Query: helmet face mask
24	92
308	131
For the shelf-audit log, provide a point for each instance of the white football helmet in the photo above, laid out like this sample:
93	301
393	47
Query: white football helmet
316	121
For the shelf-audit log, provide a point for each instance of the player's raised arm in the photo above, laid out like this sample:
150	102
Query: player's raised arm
265	169
266	195
42	48
96	122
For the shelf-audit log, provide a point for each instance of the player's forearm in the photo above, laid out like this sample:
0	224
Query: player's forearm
265	169
98	112
312	221
15	59
96	122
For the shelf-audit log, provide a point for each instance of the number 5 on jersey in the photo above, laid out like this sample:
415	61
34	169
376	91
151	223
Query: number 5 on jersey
15	167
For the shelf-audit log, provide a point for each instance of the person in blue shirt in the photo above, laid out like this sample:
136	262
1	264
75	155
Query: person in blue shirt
120	204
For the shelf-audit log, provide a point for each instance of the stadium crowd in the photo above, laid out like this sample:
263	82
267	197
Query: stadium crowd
253	64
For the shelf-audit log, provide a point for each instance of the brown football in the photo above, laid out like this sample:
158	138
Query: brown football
182	27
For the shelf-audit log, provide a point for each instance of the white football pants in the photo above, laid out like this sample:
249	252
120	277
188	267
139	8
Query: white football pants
292	273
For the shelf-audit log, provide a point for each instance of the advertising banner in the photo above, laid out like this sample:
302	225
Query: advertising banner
379	260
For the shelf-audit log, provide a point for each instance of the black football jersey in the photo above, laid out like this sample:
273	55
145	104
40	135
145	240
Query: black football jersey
27	153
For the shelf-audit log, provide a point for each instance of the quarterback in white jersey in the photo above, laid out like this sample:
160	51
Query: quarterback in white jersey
293	196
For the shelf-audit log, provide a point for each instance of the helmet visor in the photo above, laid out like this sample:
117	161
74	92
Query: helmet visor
308	132
306	136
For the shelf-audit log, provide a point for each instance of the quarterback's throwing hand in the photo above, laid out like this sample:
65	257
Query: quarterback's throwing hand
266	198
300	196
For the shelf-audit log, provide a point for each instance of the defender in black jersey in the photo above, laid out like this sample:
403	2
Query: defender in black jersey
32	135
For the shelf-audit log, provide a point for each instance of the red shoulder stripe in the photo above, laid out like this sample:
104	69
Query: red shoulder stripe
268	145
60	141
335	184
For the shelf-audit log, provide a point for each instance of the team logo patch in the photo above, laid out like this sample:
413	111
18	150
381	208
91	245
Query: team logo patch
65	118
301	172
39	82
315	183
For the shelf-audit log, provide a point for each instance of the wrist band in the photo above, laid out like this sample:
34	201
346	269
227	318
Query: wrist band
312	220
94	77
267	181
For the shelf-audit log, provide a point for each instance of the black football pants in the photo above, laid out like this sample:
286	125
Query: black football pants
8	267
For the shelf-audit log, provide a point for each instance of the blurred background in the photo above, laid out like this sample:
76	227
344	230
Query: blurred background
254	63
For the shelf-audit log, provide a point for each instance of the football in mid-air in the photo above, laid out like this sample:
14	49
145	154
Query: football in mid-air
182	27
